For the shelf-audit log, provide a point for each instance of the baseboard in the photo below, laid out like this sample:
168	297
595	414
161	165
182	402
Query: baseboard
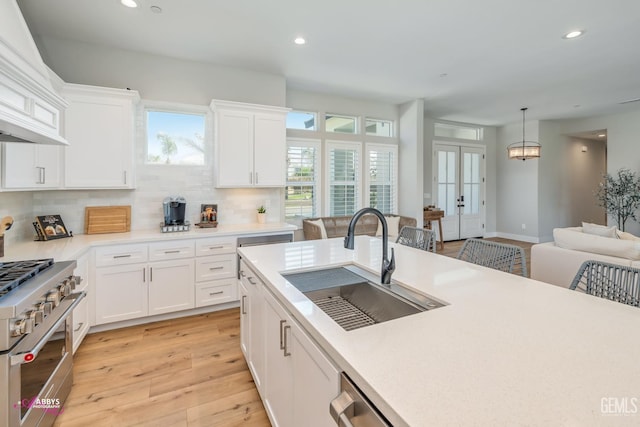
529	239
489	235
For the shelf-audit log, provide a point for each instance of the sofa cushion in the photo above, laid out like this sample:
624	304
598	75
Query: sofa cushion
599	230
623	235
393	226
320	224
570	239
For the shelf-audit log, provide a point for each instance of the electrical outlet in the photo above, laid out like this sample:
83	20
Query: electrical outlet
524	227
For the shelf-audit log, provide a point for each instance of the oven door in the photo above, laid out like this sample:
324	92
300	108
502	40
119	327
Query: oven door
40	368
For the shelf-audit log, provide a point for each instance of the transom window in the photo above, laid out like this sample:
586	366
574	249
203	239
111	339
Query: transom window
341	124
448	130
379	127
304	120
175	138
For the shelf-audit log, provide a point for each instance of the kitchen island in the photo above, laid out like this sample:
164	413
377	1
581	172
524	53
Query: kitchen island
505	350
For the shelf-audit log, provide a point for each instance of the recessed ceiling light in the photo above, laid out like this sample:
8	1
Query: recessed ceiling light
602	135
129	3
299	40
573	34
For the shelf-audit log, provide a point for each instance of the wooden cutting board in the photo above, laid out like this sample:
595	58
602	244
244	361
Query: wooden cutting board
107	219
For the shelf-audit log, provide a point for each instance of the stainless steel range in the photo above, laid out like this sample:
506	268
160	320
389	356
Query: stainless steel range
36	306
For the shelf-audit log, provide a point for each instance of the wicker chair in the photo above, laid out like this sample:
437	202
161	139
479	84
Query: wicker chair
499	256
610	281
420	238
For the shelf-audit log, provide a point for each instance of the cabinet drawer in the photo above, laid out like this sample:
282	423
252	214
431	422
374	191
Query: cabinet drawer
216	292
171	250
121	255
215	267
215	246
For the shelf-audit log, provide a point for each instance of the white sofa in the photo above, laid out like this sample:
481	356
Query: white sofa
558	262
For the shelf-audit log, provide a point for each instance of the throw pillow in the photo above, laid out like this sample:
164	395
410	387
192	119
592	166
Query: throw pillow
393	226
623	235
599	230
320	224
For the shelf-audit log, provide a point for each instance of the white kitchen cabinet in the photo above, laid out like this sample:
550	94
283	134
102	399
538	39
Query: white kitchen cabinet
296	380
171	286
256	326
99	125
81	312
250	144
121	293
31	166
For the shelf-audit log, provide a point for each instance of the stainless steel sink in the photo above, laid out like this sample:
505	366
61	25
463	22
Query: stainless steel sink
352	298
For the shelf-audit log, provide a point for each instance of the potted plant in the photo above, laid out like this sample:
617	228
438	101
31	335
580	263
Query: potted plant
262	215
619	195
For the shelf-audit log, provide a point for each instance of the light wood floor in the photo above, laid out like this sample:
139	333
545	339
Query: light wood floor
175	373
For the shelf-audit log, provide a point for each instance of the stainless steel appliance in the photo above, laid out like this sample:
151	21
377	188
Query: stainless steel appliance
267	239
352	408
36	307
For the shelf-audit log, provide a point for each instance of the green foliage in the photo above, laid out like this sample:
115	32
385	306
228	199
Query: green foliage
619	194
261	209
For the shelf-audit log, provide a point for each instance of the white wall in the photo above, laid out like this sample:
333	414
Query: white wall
516	186
158	77
411	160
585	173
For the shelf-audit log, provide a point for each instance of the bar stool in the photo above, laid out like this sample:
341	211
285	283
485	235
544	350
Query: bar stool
428	215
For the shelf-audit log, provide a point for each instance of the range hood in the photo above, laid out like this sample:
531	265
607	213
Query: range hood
30	108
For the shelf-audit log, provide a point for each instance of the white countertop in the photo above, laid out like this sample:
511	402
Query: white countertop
506	350
74	247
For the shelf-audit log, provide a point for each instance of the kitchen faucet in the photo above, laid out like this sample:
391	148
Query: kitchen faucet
388	266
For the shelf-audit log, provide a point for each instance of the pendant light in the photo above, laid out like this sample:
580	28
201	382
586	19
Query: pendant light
526	149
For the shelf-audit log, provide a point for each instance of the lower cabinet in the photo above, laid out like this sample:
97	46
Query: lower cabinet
254	336
121	293
81	312
171	286
298	381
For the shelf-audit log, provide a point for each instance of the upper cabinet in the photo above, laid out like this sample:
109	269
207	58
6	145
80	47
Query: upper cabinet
251	143
99	125
30	109
31	166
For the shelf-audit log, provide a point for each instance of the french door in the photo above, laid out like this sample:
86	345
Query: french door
458	189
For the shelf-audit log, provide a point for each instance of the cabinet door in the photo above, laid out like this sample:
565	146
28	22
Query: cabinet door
253	285
49	164
171	286
121	293
81	312
270	150
234	147
279	390
20	166
245	320
100	133
316	382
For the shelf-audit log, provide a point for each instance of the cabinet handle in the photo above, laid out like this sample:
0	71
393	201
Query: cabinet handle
144	275
216	268
242	309
286	350
282	322
124	174
251	281
122	256
150	274
172	252
216	293
256	177
79	327
242	273
40	175
44	175
215	247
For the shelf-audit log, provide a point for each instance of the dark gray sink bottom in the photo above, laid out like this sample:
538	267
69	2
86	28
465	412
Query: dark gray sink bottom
352	298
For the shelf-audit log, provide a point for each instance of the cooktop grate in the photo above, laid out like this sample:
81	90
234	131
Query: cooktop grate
344	313
13	274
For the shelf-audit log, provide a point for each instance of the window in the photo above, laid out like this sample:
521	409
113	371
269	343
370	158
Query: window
303	169
382	177
343	163
379	127
458	131
301	120
340	124
175	138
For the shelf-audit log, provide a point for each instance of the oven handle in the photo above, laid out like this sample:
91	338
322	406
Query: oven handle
30	355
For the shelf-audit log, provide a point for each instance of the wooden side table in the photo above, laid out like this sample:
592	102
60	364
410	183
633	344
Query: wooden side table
434	215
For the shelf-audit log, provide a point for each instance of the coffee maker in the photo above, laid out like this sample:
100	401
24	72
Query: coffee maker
174	210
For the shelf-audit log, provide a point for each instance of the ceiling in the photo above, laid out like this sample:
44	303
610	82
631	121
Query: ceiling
471	61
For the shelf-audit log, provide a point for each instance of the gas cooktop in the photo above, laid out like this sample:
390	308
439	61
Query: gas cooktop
13	274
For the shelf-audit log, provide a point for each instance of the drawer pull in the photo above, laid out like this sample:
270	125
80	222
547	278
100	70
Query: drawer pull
79	327
172	252
216	268
242	304
215	293
251	281
122	256
216	247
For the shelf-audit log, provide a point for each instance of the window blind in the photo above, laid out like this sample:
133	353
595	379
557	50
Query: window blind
382	177
301	185
343	180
